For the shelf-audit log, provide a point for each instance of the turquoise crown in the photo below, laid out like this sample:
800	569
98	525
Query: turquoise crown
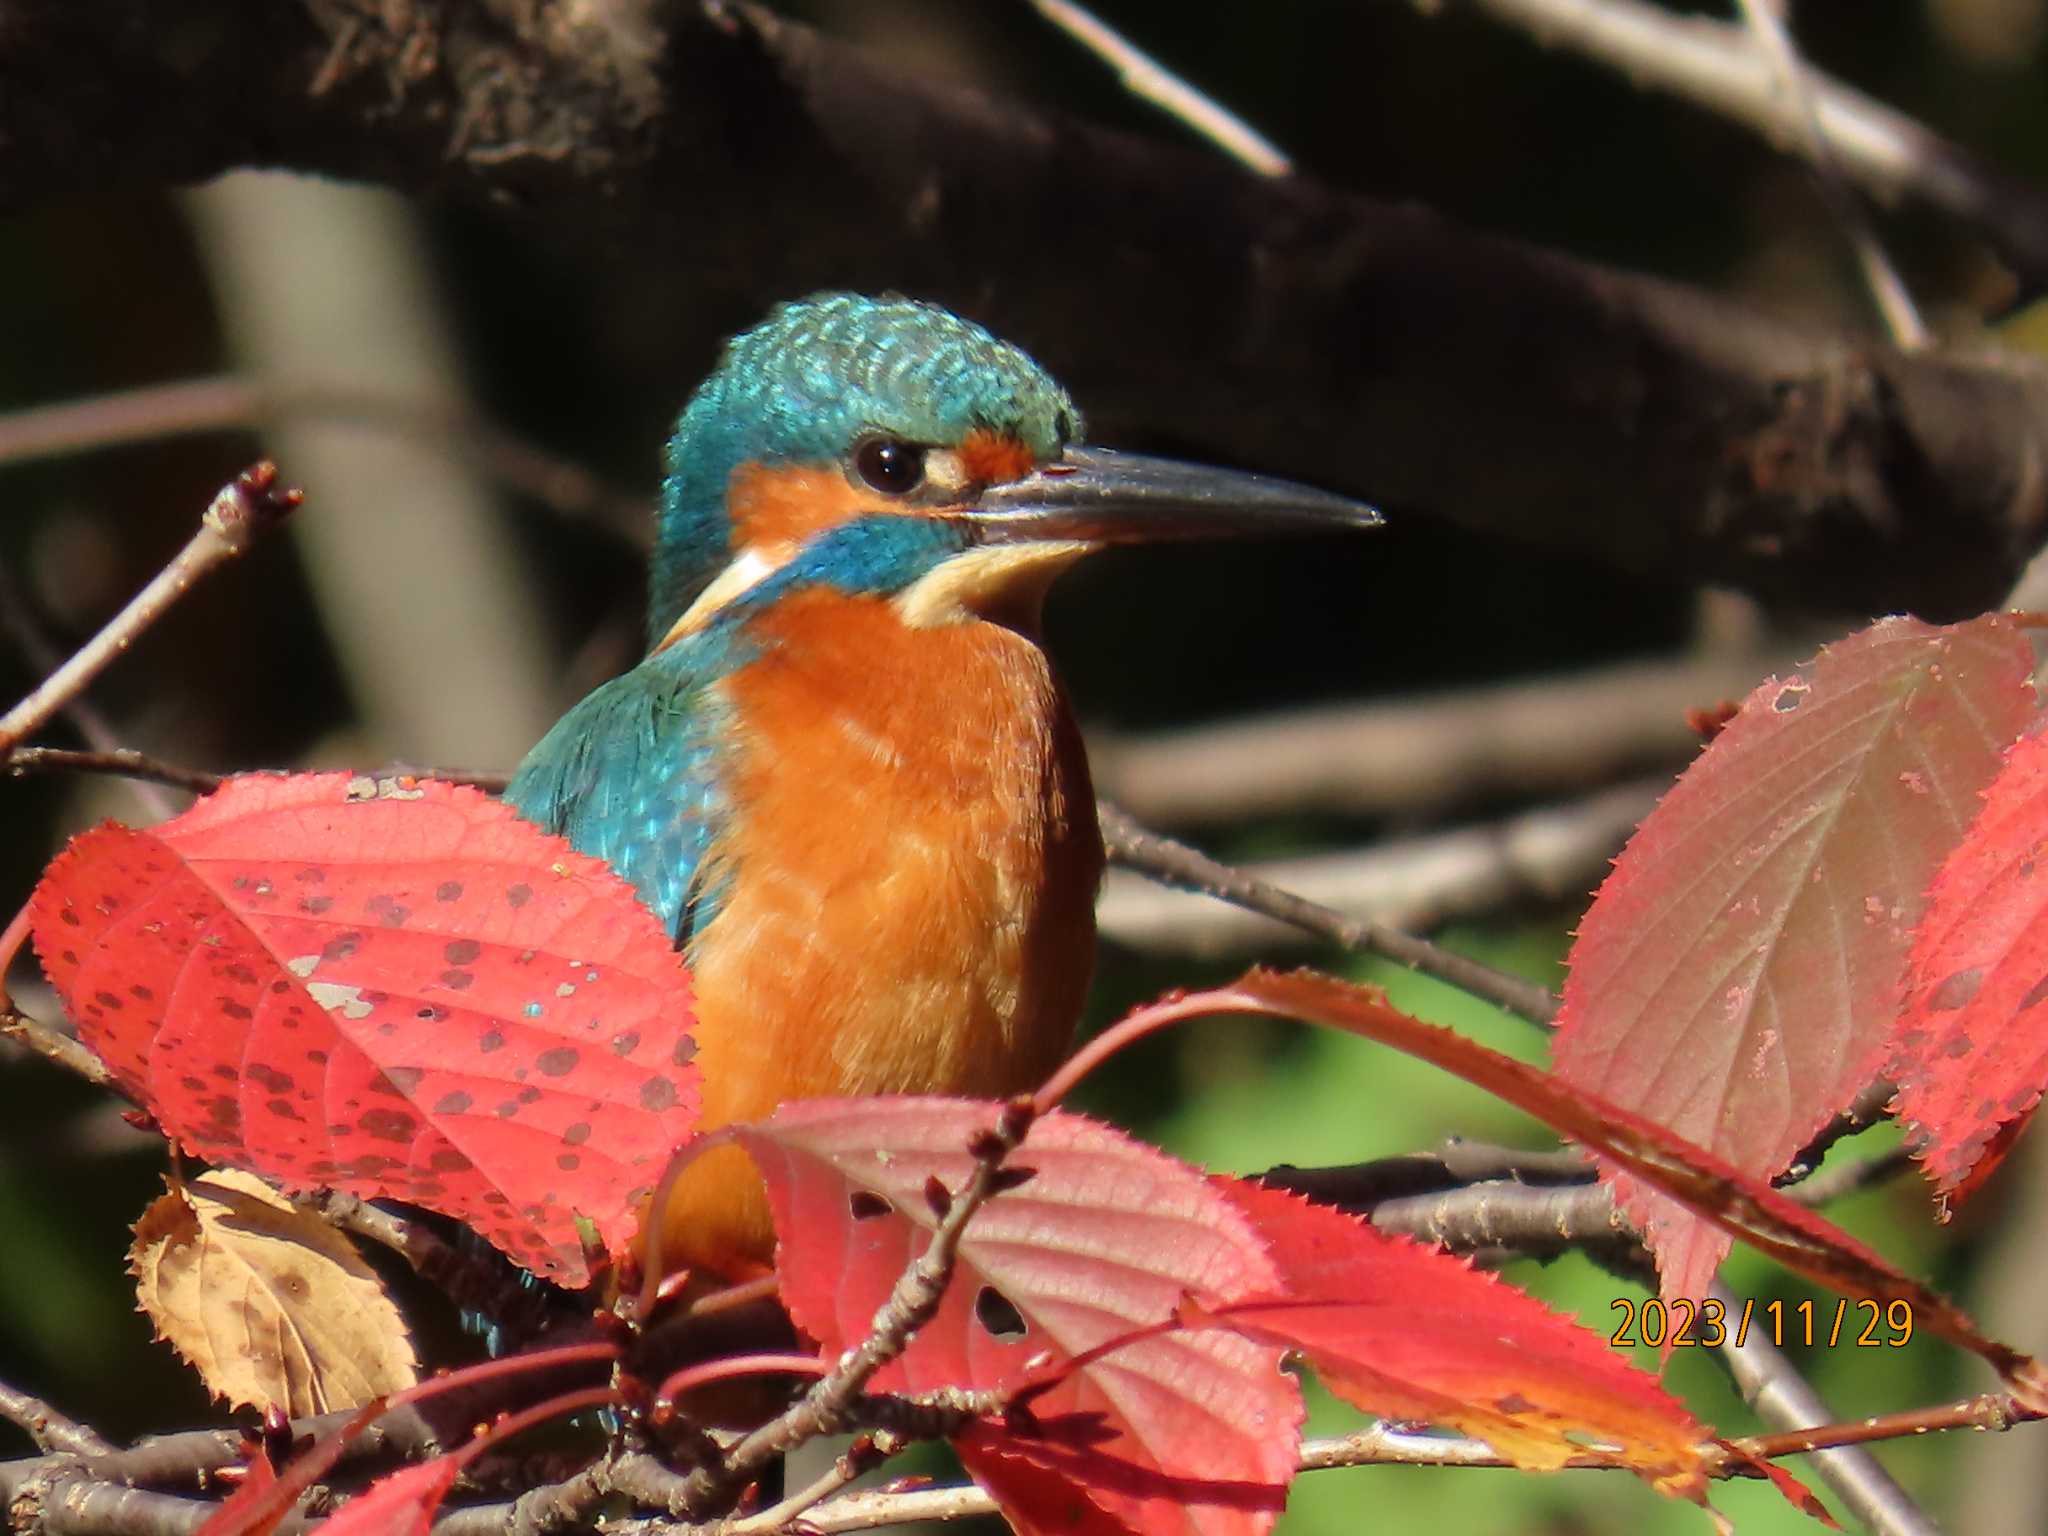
805	384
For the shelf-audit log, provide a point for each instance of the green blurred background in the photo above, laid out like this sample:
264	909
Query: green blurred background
380	633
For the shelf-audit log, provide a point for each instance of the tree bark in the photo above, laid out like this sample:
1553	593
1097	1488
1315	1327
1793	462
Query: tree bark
1374	348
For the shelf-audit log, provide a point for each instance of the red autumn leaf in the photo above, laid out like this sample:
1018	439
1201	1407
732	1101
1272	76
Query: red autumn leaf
259	1506
1793	1491
1972	1047
401	1503
1740	1204
1406	1331
1736	977
1192	1433
389	988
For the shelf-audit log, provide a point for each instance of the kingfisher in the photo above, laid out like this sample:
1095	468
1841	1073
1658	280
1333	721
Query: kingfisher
845	776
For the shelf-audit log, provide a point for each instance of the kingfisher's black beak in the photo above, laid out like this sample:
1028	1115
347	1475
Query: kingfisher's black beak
1091	495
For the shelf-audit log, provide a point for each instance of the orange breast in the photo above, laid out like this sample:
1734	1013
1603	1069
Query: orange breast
912	869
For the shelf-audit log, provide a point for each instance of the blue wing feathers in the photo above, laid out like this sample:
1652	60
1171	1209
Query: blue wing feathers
630	776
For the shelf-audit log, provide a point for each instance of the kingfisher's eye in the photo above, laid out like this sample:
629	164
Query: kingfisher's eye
890	465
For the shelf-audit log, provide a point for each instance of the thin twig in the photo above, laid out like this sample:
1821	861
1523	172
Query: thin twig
246	507
1831	1184
52	1044
230	401
1508	1200
1714	65
1993	1411
1135	847
1549	854
1455	1164
42	654
1865	1110
126	763
49	1429
116	762
1887	289
1146	78
867	1452
1773	1386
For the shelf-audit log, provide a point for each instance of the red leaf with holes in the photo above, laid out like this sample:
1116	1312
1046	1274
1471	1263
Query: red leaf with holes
1736	977
401	1503
393	988
1405	1331
1182	1432
1972	1047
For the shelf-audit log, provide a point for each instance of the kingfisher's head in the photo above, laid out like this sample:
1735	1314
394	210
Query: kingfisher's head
888	447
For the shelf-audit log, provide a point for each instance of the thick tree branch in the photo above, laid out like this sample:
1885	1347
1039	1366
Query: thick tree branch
1424	754
1373	348
46	1426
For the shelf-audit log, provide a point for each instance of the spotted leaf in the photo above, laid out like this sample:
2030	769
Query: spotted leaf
389	987
1972	1049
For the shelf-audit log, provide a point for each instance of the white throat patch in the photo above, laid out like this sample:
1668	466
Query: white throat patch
750	567
1002	582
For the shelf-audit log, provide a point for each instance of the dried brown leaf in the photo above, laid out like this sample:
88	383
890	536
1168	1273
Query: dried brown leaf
272	1306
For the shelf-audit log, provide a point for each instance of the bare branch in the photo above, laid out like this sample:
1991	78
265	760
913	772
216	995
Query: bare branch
1162	858
52	1044
1865	1110
1145	77
49	1429
1772	1385
1551	854
118	762
245	508
42	655
1508	1201
222	402
1504	1219
1887	289
123	762
867	1452
74	1502
1696	437
1417	756
1713	64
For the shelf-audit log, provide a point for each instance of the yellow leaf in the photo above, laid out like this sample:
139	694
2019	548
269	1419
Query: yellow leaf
270	1305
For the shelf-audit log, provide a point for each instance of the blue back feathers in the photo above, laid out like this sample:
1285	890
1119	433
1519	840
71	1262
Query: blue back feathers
800	387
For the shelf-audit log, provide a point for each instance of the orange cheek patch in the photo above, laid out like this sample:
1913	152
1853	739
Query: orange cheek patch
993	458
787	505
